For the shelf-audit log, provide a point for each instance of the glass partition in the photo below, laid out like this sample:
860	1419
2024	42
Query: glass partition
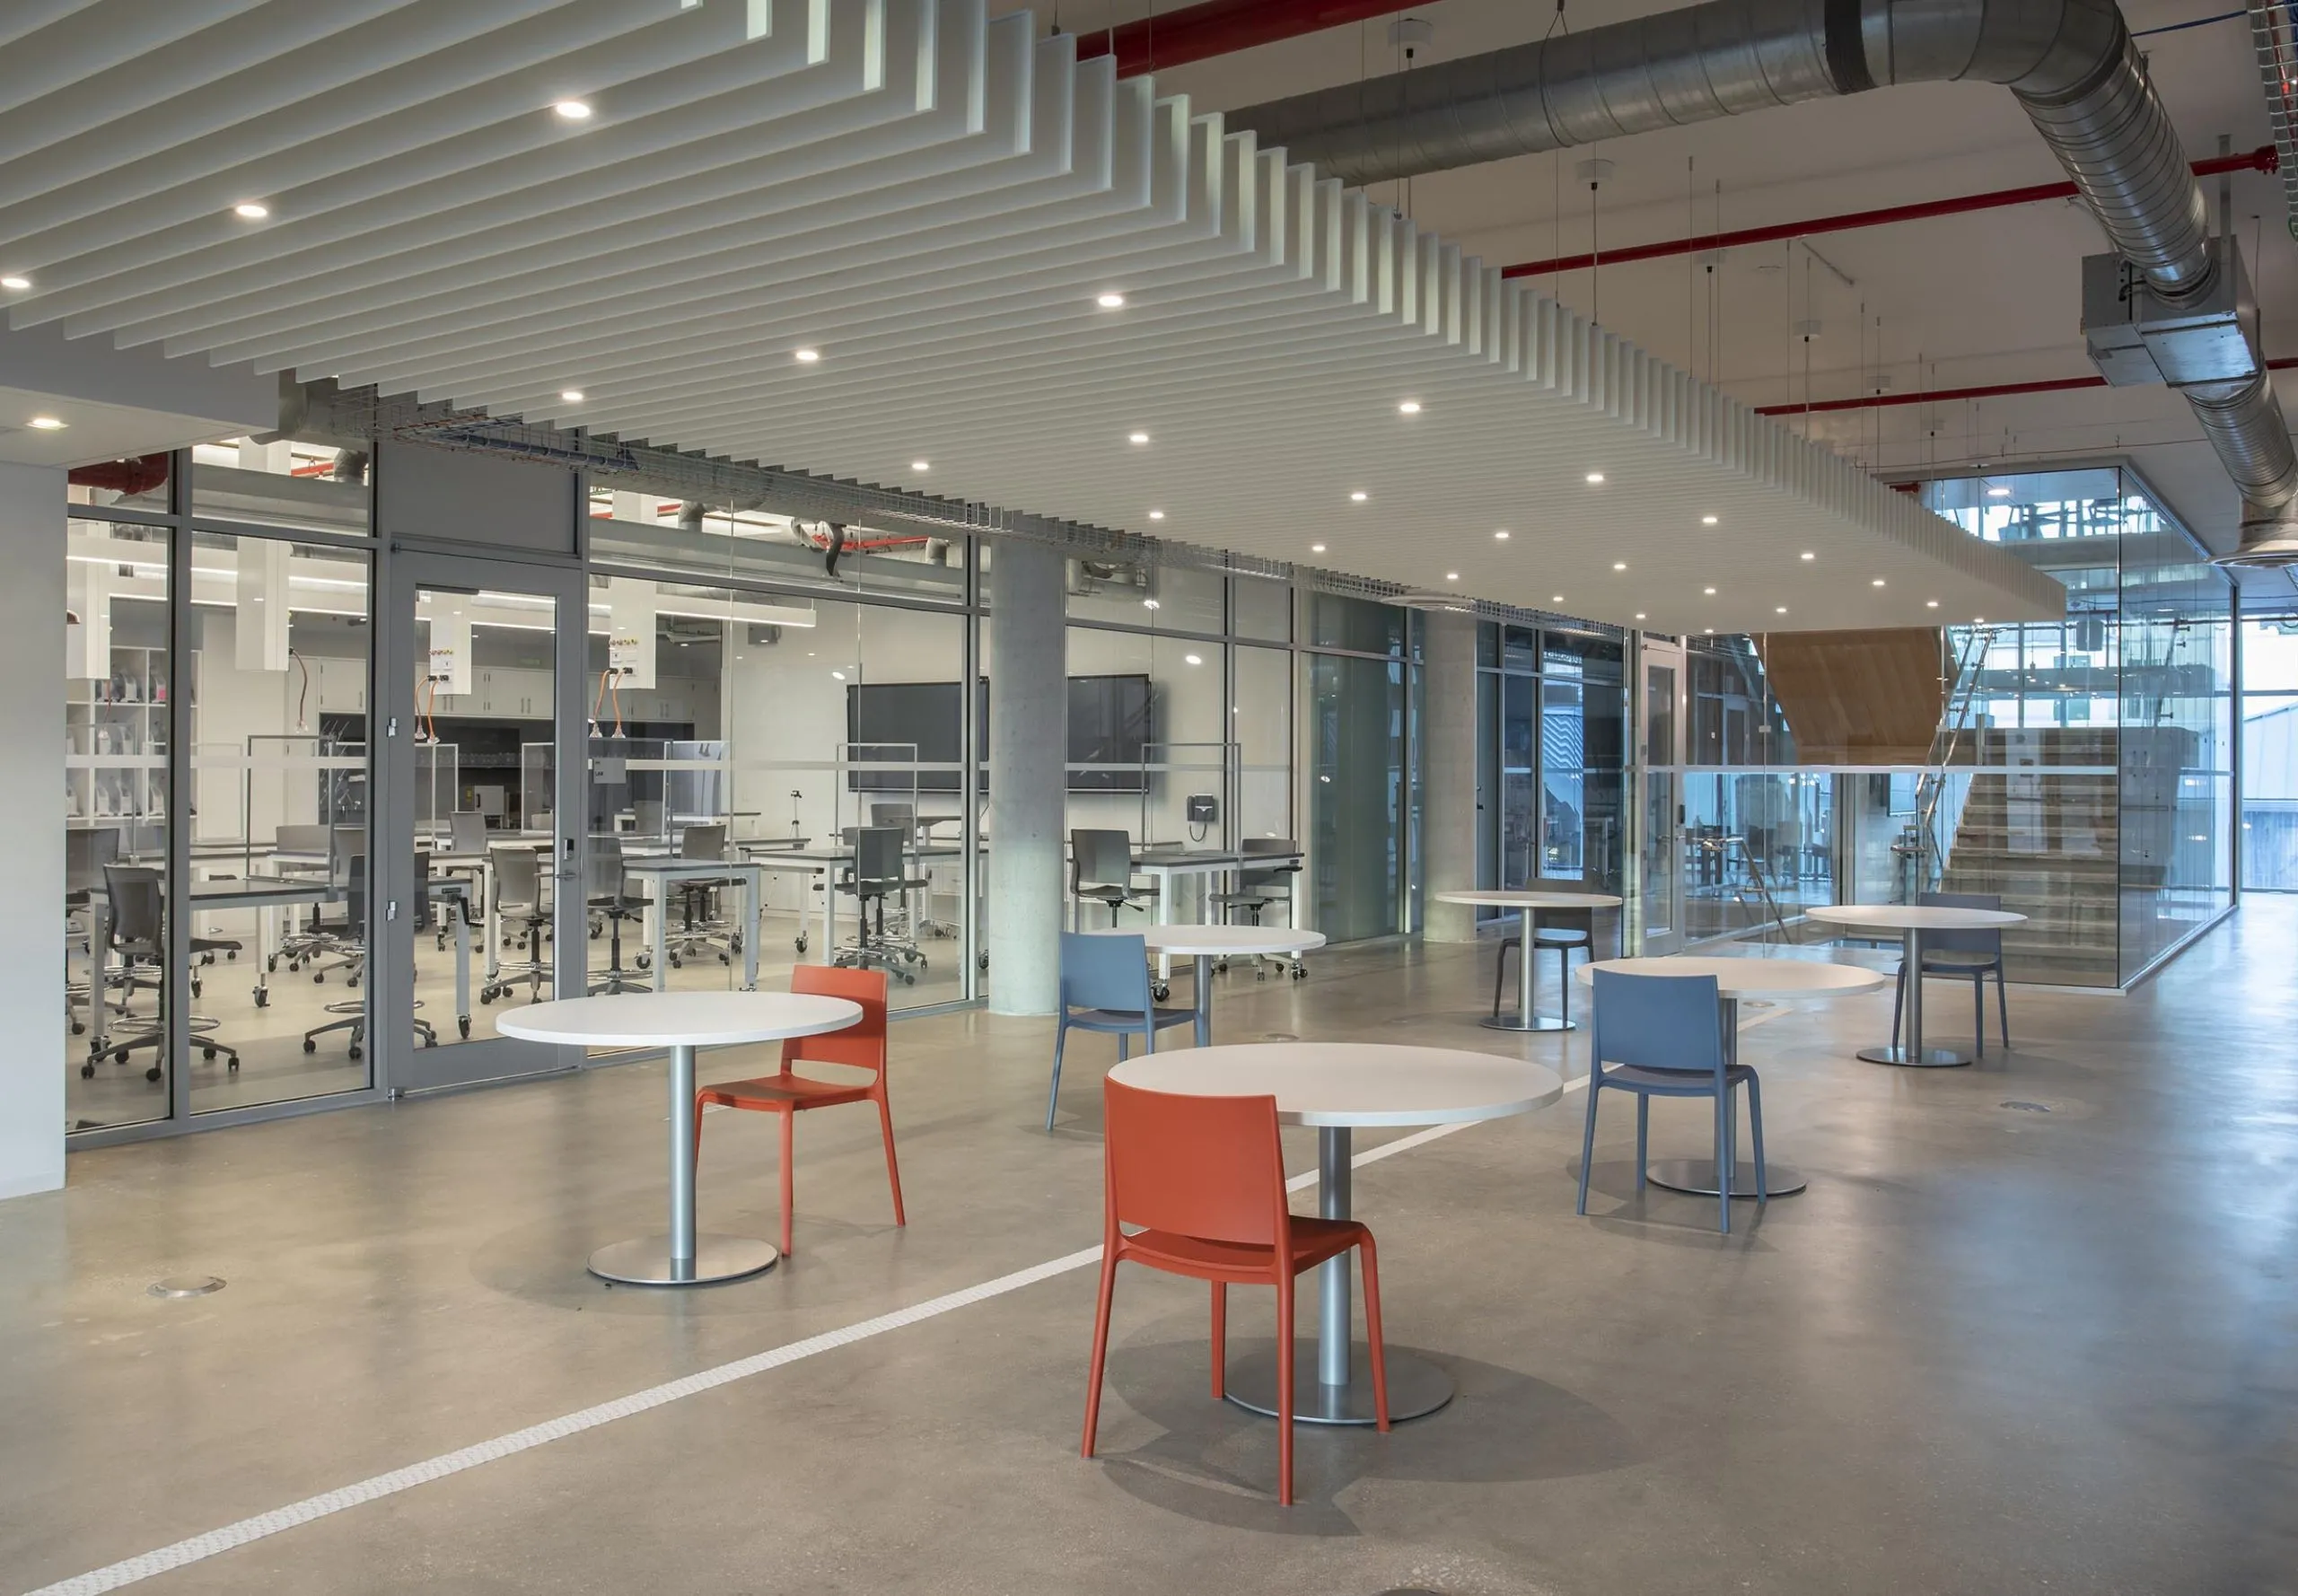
2270	754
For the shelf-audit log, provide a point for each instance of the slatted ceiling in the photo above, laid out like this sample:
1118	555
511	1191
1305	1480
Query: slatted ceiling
933	199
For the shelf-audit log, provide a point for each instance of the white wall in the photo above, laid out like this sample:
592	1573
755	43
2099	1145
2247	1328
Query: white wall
32	814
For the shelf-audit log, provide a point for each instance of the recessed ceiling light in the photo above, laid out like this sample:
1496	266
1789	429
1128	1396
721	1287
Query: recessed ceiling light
572	110
1410	407
1980	619
1709	591
1359	497
1156	515
47	424
1707	521
1316	549
1595	476
1451	575
1809	556
15	284
1707	631
573	396
1138	438
1931	604
1555	598
1619	565
806	356
837	676
1149	604
1639	615
1998	493
1502	534
921	465
1111	302
249	210
1781	611
1877	583
1193	659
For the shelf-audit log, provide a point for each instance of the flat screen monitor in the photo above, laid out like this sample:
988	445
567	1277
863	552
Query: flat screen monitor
1110	733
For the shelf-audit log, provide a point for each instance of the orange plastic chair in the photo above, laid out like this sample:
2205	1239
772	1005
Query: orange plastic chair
1204	1176
861	1043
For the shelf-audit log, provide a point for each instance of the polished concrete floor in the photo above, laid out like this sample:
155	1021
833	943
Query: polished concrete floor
2033	1327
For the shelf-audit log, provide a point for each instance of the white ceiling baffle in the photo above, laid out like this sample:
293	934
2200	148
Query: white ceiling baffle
844	236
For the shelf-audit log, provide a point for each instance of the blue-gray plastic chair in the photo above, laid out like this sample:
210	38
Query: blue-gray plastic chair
1665	1034
1970	955
1105	987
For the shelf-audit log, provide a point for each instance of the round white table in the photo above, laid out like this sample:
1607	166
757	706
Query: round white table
680	1021
1911	921
1779	980
1528	902
1205	943
1338	1086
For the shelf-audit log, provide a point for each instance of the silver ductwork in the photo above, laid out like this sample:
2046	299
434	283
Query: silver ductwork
2072	64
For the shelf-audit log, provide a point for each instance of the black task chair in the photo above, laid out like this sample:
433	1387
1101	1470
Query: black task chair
523	911
606	887
353	1010
136	929
1259	889
1970	955
879	873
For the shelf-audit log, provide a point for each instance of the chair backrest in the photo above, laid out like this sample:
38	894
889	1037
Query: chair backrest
892	814
135	905
518	874
877	855
354	898
862	1044
301	839
344	844
1977	940
85	854
1104	972
467	829
646	816
602	873
703	842
1209	1167
422	890
1564	919
1662	1023
1100	858
1273	875
542	820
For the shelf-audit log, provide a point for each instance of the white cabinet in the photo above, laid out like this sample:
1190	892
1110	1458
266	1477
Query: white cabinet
338	686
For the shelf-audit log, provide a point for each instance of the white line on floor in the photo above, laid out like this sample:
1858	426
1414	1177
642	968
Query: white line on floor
199	1547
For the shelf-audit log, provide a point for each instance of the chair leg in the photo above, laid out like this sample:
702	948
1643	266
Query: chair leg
1727	1150
1587	1145
1220	1340
1100	1348
1373	1344
1643	1137
1754	1135
1978	1014
1124	1041
1898	1004
1053	1093
1285	1390
1499	979
789	1176
2003	1006
893	1169
1564	984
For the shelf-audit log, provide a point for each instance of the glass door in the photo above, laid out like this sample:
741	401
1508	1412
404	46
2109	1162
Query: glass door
479	857
1663	760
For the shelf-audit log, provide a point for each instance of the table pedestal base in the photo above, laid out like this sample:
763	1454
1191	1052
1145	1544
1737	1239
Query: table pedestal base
1416	1387
1537	1023
646	1261
1915	1058
1698	1177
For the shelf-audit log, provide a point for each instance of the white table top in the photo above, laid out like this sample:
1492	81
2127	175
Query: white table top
1218	941
1530	897
1352	1083
1911	917
679	1019
1752	977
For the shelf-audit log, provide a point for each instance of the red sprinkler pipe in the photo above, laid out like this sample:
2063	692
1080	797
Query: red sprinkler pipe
1217	28
1941	395
2262	159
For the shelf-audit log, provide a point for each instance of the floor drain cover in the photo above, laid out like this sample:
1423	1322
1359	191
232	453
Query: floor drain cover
186	1285
2028	1107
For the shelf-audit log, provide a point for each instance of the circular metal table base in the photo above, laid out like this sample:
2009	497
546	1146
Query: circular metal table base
1415	1386
1698	1177
1539	1022
646	1261
1928	1058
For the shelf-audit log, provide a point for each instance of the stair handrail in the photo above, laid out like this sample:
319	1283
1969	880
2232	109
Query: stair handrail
1946	742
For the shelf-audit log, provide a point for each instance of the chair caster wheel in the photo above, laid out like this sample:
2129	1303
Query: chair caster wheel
355	1052
724	959
87	1071
463	1026
195	988
78	1028
981	961
310	1046
1300	972
431	1042
231	1067
120	1057
271	965
675	963
209	1053
318	978
152	1074
487	998
233	953
263	997
800	945
1161	991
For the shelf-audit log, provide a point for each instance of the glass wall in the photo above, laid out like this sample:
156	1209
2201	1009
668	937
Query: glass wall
2270	754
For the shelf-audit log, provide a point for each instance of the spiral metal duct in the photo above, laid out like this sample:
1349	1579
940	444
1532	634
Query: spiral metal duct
2072	64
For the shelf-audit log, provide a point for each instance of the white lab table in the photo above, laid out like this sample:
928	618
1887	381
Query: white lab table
1911	920
1205	943
682	1021
1777	979
1528	902
1338	1086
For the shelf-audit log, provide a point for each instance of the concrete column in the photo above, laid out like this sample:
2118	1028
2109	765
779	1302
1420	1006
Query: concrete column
1029	734
1448	753
32	815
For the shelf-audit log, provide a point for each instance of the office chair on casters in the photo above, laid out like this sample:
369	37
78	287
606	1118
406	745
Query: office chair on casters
86	853
607	889
1260	888
702	928
136	929
1100	871
343	942
467	831
518	897
1972	955
353	1010
879	873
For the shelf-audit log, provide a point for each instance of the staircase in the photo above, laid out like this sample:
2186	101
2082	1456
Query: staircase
2048	842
